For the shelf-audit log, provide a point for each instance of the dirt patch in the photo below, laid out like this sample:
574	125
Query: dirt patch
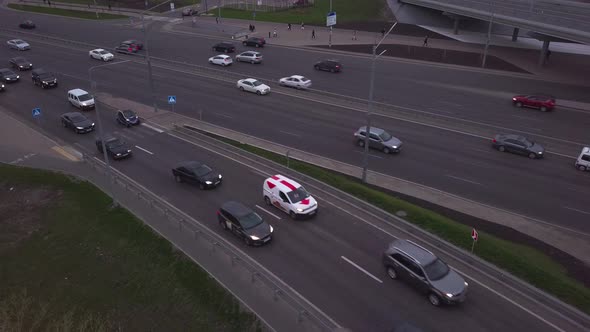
21	212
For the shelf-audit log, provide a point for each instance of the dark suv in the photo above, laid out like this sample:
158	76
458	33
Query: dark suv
254	41
43	78
333	66
224	47
410	262
116	148
518	144
244	223
127	118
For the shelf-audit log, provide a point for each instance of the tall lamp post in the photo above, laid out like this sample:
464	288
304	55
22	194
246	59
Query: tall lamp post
370	104
100	130
330	38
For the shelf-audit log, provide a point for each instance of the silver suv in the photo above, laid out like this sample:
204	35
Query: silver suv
419	267
378	139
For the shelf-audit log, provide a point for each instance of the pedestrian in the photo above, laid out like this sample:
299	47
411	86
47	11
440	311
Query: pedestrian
269	34
354	35
274	33
547	55
250	27
109	6
302	26
194	21
382	32
49	3
313	34
425	41
253	28
217	19
289	26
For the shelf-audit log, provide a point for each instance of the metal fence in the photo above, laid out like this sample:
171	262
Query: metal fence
263	5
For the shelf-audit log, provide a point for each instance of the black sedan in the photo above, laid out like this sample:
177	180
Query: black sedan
244	223
28	24
518	144
21	63
224	47
194	172
77	122
333	66
43	78
116	148
127	118
254	41
8	76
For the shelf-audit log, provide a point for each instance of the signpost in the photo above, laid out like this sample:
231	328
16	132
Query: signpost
172	101
37	115
474	236
330	22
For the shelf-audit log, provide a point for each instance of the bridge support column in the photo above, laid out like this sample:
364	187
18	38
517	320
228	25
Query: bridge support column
456	26
515	34
543	56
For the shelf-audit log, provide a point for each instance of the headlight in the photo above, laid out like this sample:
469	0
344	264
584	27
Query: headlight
449	295
17	76
271	229
80	128
208	182
514	99
220	176
540	152
466	284
299	210
118	154
93	124
394	146
128	151
254	237
20	66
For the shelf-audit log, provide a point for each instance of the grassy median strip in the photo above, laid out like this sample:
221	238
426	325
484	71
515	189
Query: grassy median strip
522	261
347	11
88	15
71	263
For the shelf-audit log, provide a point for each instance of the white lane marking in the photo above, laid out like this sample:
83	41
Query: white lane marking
361	269
265	210
224	115
152	127
577	210
450	103
144	150
288	133
370	155
439	110
462	179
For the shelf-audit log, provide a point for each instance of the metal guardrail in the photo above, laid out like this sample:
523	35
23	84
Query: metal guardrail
305	315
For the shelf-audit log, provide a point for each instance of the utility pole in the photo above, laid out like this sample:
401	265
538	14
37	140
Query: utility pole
485	50
370	104
330	38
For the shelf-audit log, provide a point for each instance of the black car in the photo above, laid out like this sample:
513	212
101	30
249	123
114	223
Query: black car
77	122
43	78
116	148
21	63
127	118
224	47
28	24
244	223
8	75
333	66
126	48
254	41
518	144
197	173
137	44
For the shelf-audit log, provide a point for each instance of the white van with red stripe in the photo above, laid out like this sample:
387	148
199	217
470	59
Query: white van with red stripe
289	196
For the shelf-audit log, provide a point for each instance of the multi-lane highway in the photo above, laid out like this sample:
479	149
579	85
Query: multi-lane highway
308	255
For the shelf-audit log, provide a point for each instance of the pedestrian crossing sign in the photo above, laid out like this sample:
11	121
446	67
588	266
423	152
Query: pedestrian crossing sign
171	99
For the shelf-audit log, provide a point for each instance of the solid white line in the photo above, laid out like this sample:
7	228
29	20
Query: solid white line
152	127
144	150
573	209
265	210
288	133
439	110
224	115
361	269
462	179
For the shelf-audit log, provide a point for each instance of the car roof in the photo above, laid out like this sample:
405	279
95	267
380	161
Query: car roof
284	183
17	40
77	92
249	80
236	209
223	55
512	136
374	130
298	76
225	44
417	252
190	163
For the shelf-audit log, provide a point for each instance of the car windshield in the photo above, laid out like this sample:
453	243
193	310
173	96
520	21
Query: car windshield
250	220
385	136
85	97
436	270
45	75
103	52
77	118
304	79
128	114
298	194
114	143
20	59
20	41
257	83
201	170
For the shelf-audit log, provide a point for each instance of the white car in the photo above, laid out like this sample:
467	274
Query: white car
252	85
101	54
249	56
221	60
296	81
18	44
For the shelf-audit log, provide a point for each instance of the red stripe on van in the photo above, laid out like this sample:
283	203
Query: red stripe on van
288	185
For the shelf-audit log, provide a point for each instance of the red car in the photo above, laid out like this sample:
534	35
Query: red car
543	103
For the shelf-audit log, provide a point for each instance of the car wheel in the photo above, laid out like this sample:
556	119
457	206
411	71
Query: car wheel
518	104
223	64
501	148
532	155
63	124
202	186
223	225
247	241
268	202
434	299
258	92
224	51
391	272
292	215
177	178
316	67
581	168
386	150
543	109
245	44
331	70
361	143
252	62
257	46
214	49
241	88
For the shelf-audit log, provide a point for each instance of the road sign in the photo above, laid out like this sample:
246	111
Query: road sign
172	6
36	112
474	235
171	100
331	19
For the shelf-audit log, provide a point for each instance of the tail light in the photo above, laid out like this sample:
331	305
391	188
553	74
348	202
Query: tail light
337	66
218	213
494	140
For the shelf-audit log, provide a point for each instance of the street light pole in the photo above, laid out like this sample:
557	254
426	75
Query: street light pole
330	38
485	50
370	104
100	130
